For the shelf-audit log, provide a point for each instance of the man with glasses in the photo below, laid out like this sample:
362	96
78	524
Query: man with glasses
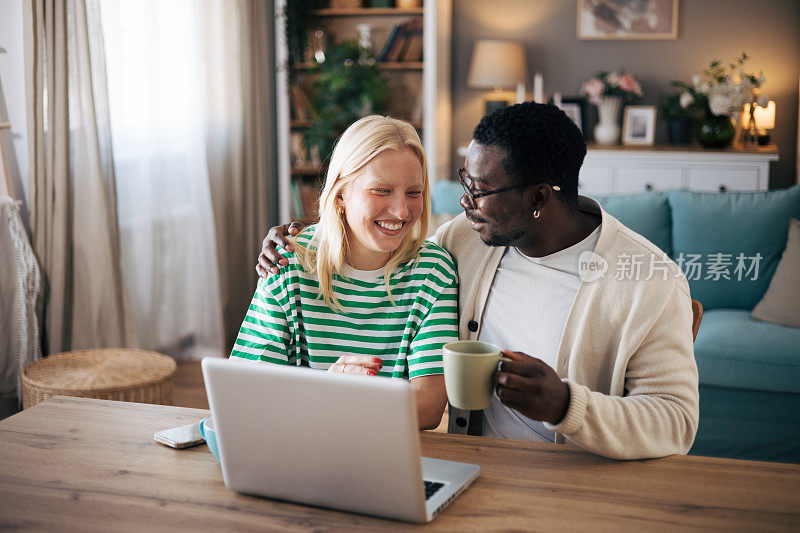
599	360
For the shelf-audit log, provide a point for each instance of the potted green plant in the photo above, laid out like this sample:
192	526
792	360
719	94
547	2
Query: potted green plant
681	110
347	86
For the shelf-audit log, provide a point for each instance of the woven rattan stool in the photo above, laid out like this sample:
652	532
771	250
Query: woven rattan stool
109	374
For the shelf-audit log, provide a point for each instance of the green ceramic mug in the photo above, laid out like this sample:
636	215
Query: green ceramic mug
469	368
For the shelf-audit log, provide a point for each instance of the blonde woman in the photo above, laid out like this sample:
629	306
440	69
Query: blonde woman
362	292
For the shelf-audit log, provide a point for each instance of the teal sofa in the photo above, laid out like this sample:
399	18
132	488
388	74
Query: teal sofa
749	370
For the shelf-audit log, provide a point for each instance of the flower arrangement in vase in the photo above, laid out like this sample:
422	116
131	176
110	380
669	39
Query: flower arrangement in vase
681	110
716	96
607	90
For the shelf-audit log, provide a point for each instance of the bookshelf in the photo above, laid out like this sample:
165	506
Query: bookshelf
399	65
412	84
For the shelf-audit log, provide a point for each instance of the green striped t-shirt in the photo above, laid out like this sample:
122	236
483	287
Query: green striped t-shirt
289	323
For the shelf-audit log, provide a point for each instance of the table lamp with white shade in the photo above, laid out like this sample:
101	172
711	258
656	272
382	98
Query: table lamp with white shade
497	65
763	121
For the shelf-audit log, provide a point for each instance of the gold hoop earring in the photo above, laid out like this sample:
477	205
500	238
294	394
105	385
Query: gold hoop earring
339	211
536	213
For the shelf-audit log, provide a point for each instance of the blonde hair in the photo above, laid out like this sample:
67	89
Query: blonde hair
329	249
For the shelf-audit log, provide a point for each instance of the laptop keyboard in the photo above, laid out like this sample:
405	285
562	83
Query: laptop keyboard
431	487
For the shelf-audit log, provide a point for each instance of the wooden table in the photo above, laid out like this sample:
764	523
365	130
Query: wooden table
77	464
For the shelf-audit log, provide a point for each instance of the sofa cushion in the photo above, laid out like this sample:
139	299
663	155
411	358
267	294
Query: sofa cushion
445	197
647	214
781	303
734	350
725	233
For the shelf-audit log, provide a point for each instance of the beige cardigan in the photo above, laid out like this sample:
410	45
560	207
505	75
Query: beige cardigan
626	352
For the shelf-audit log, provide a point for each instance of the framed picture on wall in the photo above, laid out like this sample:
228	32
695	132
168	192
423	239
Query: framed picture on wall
627	19
639	125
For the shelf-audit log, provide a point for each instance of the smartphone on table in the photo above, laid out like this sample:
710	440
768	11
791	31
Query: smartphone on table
180	437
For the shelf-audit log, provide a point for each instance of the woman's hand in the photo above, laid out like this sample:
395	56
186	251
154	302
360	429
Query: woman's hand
357	364
270	260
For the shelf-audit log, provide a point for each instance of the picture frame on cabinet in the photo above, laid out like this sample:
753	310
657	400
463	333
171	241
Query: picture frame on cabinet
639	125
575	108
573	111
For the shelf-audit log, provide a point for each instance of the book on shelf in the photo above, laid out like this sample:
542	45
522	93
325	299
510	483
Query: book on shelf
394	34
397	46
298	111
308	199
304	200
400	39
346	4
412	51
297	205
297	150
314	157
301	105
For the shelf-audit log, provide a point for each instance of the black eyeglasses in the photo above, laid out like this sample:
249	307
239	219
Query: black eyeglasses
467	181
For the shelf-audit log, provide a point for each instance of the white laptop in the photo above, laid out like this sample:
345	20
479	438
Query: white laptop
331	440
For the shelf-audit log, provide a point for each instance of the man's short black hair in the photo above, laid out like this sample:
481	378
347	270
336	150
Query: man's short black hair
541	145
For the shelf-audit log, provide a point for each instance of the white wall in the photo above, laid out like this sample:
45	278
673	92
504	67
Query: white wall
12	92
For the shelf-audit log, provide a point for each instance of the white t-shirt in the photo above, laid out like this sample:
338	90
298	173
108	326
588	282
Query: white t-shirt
527	310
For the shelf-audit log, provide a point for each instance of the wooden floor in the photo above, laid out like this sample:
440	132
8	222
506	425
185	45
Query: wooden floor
189	390
188	387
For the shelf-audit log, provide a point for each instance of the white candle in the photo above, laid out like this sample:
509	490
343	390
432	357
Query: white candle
520	93
557	99
538	88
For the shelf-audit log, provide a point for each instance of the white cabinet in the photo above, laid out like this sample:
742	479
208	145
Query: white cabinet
621	170
596	179
638	177
726	178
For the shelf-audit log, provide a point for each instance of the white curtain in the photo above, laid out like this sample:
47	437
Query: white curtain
167	235
72	185
237	50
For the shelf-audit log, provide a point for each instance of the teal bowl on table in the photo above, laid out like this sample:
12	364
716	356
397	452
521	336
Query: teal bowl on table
210	435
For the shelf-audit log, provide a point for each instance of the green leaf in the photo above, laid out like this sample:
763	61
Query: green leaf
347	84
